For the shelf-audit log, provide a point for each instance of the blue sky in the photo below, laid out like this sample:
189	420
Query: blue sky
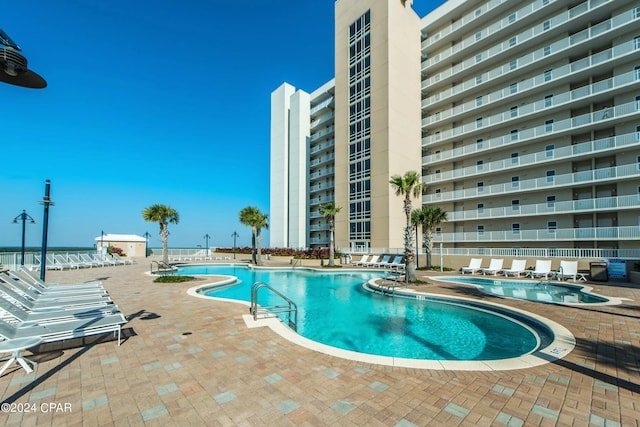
151	102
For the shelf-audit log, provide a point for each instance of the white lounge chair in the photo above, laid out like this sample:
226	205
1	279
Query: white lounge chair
373	262
518	266
385	260
569	270
25	276
542	269
41	304
362	262
75	259
22	315
395	264
474	265
495	265
58	331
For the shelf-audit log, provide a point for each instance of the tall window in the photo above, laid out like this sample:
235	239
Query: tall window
512	18
479	165
513	64
513	88
481	207
478	101
480	186
479	122
546	25
360	131
513	111
636	42
515	134
480	229
480	143
548	75
515	205
546	50
515	228
552	226
515	181
513	41
549	150
515	159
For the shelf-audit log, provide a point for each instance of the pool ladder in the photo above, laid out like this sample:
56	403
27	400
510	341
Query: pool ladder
269	311
161	267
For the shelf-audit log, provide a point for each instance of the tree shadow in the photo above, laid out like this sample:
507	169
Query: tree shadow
143	315
623	357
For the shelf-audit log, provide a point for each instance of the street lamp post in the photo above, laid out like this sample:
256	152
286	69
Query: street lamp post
46	201
24	216
146	247
235	236
206	242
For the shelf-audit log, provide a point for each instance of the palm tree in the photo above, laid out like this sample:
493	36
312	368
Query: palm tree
417	218
407	186
163	215
329	211
252	217
432	217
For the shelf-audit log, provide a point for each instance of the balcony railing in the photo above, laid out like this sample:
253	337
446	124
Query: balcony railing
317	135
324	104
507	21
616	173
561	234
492	4
320	200
327	145
321	160
323	119
581	149
557	127
611	84
550	208
558	49
321	173
534	159
322	186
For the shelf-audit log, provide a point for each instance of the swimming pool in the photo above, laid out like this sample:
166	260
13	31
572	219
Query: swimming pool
530	290
334	309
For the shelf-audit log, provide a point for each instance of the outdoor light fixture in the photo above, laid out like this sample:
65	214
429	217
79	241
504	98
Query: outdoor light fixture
13	66
46	201
24	216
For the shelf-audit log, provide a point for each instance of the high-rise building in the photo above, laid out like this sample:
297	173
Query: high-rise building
522	117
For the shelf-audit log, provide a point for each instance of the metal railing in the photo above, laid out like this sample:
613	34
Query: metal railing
290	308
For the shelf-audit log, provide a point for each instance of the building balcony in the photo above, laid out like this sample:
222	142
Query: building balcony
566	71
595	176
325	133
322	173
555	129
322	187
558	49
320	200
443	35
561	234
322	120
586	148
602	87
324	105
319	241
323	146
515	19
319	227
570	152
322	160
568	207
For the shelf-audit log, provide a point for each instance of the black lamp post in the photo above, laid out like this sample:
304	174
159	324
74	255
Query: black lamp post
46	201
146	247
206	242
24	216
234	235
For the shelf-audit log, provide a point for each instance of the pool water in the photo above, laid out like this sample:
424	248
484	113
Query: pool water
530	290
335	309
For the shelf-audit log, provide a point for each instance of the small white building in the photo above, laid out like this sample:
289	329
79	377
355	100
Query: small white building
132	245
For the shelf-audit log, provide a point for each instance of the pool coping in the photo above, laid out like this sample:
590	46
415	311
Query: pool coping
583	288
562	344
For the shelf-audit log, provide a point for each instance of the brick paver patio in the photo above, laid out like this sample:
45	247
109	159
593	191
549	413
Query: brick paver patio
190	361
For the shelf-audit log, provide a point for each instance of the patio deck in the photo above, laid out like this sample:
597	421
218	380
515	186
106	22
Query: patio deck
191	361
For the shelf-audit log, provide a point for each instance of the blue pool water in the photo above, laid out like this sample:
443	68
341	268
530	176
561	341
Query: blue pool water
529	290
335	309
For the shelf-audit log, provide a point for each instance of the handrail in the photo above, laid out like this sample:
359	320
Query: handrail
289	308
161	266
